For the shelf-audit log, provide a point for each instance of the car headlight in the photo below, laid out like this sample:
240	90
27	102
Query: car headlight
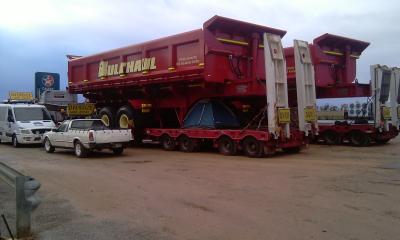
25	131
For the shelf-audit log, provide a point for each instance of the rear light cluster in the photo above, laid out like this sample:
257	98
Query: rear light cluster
91	136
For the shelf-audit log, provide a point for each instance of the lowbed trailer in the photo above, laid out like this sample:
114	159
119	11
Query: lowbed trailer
334	59
225	84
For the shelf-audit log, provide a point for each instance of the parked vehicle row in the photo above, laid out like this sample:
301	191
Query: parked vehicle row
24	123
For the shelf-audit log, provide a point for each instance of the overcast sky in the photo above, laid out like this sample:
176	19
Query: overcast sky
35	35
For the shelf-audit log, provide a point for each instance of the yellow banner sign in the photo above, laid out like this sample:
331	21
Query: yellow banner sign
21	96
386	113
310	114
284	115
82	109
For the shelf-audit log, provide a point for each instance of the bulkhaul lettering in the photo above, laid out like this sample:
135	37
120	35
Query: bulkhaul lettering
134	66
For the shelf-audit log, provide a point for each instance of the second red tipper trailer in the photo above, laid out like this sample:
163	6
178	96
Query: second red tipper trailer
334	61
225	84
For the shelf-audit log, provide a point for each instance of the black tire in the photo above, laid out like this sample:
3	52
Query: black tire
291	150
125	118
47	146
79	150
252	147
187	144
382	141
331	138
107	115
118	151
227	146
132	119
359	139
269	151
168	143
15	142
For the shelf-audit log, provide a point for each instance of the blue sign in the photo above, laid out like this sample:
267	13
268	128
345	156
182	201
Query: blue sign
46	81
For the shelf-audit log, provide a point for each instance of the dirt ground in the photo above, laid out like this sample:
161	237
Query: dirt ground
324	192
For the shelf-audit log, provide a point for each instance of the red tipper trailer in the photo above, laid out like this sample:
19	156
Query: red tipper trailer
334	59
209	84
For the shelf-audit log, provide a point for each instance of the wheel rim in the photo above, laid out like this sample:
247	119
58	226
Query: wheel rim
167	141
78	149
330	138
124	121
356	139
226	145
359	139
185	143
252	147
106	120
47	145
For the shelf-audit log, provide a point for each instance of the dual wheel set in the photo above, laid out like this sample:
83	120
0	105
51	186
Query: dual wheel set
355	138
123	118
250	146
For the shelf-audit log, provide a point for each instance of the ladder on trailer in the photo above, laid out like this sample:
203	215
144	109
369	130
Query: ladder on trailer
381	78
276	86
395	97
305	86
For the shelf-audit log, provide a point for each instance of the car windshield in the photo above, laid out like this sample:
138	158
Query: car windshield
88	124
31	114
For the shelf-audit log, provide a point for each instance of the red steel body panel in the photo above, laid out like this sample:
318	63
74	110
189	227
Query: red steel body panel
170	52
334	58
201	55
225	59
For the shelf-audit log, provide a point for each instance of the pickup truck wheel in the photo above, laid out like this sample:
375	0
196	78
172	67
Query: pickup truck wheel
118	151
252	147
187	144
15	142
107	116
80	150
168	143
227	146
47	146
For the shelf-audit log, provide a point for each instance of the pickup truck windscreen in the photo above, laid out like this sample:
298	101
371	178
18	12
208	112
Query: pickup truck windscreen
88	124
31	114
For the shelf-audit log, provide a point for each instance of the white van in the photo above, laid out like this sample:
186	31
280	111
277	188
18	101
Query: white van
22	123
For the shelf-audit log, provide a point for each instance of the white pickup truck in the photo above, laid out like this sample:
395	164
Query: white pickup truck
85	135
